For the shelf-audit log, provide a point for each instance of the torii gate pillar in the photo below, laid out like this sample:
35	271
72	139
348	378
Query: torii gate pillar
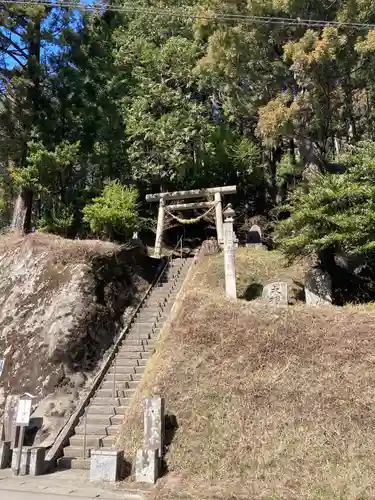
159	228
219	219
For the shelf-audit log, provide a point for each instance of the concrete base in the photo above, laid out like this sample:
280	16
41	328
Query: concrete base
32	461
106	465
5	454
147	466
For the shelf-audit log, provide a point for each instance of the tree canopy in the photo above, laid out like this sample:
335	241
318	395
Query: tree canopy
186	95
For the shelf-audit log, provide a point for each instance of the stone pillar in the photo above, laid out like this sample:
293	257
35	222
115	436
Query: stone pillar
219	219
25	460
229	254
5	454
106	465
154	423
147	465
148	459
159	228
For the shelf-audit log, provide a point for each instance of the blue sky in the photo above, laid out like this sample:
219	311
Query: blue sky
47	47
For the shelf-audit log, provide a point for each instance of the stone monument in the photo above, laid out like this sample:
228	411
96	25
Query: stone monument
276	294
148	459
254	237
318	287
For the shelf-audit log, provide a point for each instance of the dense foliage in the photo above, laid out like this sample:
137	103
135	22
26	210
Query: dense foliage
334	212
184	98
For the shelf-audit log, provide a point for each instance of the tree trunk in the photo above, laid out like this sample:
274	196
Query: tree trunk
23	208
22	211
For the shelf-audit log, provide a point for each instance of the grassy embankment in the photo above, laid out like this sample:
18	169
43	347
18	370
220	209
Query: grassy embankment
270	403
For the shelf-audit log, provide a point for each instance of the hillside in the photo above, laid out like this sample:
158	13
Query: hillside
62	303
270	403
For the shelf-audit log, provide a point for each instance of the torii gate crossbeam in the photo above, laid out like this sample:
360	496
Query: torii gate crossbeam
183	195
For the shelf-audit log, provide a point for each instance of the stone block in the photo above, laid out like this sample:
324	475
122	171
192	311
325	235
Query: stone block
106	465
5	454
276	294
36	465
147	465
25	460
154	420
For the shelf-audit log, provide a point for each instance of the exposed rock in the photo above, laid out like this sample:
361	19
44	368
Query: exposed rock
210	247
61	307
318	287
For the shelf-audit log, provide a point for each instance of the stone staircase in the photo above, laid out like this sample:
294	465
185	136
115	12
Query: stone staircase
107	408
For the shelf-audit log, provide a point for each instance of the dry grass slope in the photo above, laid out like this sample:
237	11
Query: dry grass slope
270	404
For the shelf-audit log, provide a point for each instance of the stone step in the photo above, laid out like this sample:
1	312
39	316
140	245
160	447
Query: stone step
137	376
119	377
146	355
147	319
98	419
130	348
108	441
142	328
97	403
74	463
138	341
118	368
155	302
77	451
133	340
120	385
129	355
91	440
121	393
139	336
91	431
113	430
129	362
106	409
153	309
121	410
117	419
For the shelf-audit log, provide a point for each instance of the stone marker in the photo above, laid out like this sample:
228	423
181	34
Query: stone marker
5	454
147	465
276	294
106	465
229	254
254	237
154	418
318	287
148	459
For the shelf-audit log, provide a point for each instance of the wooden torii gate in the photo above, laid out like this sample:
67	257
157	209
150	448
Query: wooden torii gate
162	198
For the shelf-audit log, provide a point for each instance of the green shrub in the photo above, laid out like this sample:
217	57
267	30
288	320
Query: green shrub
333	211
115	212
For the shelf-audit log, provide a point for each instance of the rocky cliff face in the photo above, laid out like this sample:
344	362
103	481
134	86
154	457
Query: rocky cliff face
62	304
